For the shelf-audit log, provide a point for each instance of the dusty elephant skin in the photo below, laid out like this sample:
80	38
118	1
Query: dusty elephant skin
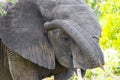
4	67
51	37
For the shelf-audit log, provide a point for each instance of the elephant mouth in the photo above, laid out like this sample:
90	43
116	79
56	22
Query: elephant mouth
93	56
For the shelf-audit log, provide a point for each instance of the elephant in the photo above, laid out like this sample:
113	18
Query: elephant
50	37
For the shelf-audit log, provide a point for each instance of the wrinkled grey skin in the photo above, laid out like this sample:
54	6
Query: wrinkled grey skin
51	35
77	14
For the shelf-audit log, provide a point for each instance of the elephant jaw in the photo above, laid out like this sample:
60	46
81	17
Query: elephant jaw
91	52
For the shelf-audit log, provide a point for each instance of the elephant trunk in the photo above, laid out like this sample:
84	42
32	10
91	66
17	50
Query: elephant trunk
89	47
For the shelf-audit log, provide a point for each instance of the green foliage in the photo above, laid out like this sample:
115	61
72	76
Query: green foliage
93	3
13	1
2	12
110	21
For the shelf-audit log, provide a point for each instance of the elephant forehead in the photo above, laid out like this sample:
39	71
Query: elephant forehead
88	22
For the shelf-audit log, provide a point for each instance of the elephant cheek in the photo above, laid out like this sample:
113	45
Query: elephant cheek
66	61
79	59
64	57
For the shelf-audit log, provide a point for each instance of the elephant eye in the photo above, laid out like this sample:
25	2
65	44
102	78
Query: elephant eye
65	38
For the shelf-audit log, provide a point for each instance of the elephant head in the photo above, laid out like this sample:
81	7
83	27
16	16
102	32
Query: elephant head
41	39
75	42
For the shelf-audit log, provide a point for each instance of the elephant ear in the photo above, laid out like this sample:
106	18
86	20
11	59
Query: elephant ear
24	33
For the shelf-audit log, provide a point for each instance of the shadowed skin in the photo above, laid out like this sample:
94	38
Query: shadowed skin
22	69
4	66
58	47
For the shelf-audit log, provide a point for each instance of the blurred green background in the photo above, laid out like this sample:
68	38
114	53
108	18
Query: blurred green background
108	14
